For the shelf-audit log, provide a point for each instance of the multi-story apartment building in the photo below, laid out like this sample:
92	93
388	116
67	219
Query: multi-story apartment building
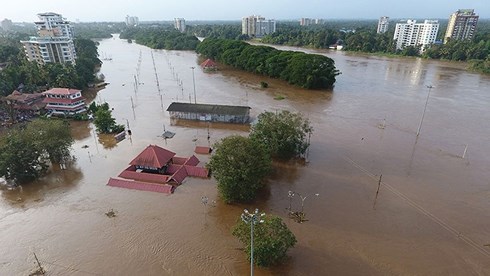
306	21
383	24
132	21
416	34
461	25
257	26
54	42
179	24
64	101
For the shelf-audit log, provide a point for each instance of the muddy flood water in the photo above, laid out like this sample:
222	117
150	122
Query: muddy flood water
431	216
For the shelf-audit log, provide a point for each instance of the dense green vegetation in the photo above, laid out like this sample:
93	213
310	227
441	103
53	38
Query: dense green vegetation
305	70
161	38
97	29
34	77
239	165
272	239
283	133
104	122
27	151
228	31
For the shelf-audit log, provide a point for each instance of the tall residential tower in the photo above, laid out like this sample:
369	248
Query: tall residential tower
179	24
257	26
461	25
383	24
54	43
416	34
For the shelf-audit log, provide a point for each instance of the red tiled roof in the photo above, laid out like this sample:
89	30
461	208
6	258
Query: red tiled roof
197	171
202	150
24	97
147	177
142	186
192	161
179	160
153	156
208	63
179	175
61	91
172	168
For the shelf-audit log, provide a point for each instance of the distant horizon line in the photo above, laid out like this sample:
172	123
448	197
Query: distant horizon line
238	20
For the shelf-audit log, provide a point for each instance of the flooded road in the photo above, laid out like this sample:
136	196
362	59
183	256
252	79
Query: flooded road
430	217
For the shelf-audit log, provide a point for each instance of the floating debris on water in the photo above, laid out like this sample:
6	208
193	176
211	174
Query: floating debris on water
111	214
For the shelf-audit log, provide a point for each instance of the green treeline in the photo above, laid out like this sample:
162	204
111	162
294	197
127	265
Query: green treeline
35	77
230	31
161	38
305	70
365	39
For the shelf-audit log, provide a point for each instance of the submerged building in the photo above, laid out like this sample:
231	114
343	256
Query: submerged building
54	43
210	112
64	101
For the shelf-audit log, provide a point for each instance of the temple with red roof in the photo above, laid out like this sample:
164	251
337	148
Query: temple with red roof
209	64
64	101
158	166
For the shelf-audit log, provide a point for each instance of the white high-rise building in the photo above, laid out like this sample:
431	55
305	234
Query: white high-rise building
54	42
132	21
257	26
179	24
383	24
416	34
306	21
461	25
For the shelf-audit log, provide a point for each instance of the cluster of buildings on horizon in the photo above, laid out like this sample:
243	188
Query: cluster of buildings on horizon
132	21
461	26
257	26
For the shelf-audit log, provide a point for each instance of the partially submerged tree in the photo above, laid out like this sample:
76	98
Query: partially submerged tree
283	133
104	122
239	166
25	153
272	239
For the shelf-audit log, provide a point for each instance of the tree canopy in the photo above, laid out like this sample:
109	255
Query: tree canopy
306	70
161	38
25	153
239	165
272	239
104	122
283	133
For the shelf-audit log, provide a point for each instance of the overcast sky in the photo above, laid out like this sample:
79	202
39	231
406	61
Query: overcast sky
116	10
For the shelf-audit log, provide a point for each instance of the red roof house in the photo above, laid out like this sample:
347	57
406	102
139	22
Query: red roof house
158	166
209	64
152	158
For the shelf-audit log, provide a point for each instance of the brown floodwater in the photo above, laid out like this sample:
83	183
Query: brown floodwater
430	217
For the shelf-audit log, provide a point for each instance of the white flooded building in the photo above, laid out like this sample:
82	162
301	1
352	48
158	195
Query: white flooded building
383	24
179	24
257	26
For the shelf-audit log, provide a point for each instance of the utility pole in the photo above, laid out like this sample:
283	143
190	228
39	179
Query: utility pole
425	108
